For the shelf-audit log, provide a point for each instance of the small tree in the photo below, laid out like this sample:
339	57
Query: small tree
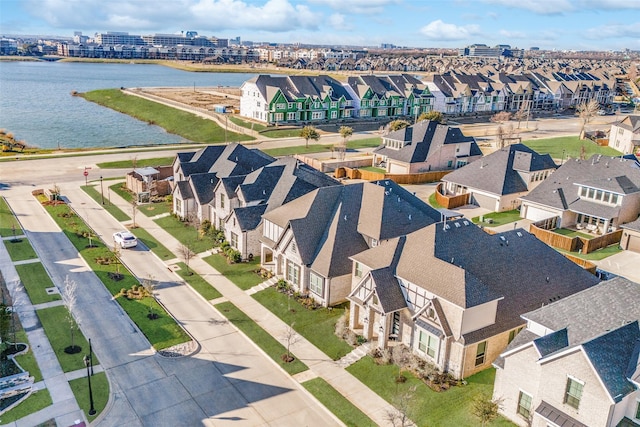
309	132
400	415
186	252
522	112
501	117
433	115
149	286
69	296
134	210
486	409
586	112
290	337
345	132
398	124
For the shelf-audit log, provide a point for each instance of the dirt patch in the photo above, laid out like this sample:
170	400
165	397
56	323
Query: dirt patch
205	98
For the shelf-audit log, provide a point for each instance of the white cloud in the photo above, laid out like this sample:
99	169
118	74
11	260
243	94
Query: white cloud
610	4
542	7
438	30
512	34
364	7
338	22
613	31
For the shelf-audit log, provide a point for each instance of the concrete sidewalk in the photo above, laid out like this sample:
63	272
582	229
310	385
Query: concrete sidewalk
319	363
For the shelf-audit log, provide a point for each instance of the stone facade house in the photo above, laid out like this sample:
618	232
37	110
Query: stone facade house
454	294
576	363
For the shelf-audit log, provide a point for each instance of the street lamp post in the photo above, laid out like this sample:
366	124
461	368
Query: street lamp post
90	357
101	190
87	362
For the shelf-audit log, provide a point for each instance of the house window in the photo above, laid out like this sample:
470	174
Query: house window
316	284
614	199
221	201
573	393
178	205
293	273
234	240
450	163
358	268
428	344
513	333
334	114
637	410
481	352
524	405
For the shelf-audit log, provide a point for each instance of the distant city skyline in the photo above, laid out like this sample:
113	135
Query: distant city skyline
547	24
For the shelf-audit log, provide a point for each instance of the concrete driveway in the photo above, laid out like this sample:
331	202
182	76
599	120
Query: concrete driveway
625	264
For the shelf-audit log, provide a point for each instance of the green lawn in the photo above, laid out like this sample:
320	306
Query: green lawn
260	337
99	389
140	163
34	403
429	408
122	191
498	218
298	149
20	249
8	222
433	202
27	360
364	143
196	281
598	255
153	209
339	405
242	274
281	133
317	326
184	233
572	233
175	121
115	211
161	333
373	169
56	326
245	124
152	243
35	280
570	146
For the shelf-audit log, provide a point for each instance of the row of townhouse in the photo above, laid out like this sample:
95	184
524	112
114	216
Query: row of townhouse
267	54
295	99
185	53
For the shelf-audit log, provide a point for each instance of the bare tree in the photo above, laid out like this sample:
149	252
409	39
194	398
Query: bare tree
522	112
400	415
134	210
186	252
149	286
586	112
346	132
291	337
501	117
69	296
500	137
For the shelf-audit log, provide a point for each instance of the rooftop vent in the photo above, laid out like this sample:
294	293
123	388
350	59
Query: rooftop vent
409	217
519	234
465	222
457	224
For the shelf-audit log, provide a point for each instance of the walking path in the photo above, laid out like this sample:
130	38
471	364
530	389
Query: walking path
319	363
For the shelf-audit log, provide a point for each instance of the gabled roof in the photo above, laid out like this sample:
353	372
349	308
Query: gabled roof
298	87
558	191
202	185
498	174
389	293
249	217
184	189
422	140
223	160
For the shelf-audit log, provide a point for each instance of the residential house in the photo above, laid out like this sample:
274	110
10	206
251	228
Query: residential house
309	240
454	294
630	240
625	135
598	194
197	173
425	146
295	99
496	181
576	363
239	202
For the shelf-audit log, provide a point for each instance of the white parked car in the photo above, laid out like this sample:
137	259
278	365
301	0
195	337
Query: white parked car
125	239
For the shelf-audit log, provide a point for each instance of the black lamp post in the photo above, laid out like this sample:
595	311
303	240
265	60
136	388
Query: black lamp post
90	357
87	363
101	190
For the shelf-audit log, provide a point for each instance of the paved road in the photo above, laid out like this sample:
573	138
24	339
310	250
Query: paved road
228	381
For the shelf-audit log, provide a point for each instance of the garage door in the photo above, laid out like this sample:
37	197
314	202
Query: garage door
536	214
633	244
484	201
396	168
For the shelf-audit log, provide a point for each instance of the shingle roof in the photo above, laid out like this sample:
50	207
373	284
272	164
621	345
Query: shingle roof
634	225
389	293
498	174
249	217
202	185
552	342
561	183
594	209
184	189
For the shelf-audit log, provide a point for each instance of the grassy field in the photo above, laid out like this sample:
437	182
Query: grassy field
429	408
140	163
8	222
152	243
572	233
569	146
99	388
321	148
55	321
20	249
245	124
196	281
115	211
163	332
497	218
317	326
148	209
182	123
35	280
34	403
184	233
339	405
598	255
373	169
364	143
122	191
281	133
260	337
242	274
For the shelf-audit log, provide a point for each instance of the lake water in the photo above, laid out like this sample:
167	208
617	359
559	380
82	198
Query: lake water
37	107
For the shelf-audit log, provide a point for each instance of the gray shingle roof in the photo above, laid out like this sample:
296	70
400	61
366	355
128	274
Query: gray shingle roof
594	209
552	342
202	185
498	174
249	217
184	189
561	183
634	225
389	293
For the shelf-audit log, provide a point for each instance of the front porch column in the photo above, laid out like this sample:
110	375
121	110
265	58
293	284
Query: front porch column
368	321
606	226
354	316
383	335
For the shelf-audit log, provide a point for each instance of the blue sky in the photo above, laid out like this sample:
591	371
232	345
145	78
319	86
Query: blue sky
548	24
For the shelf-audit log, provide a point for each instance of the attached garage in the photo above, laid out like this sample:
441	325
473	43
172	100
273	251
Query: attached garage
484	201
397	168
536	214
630	242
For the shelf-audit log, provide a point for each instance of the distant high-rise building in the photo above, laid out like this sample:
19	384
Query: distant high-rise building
491	52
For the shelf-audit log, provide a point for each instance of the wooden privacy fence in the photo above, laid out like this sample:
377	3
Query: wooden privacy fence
450	202
412	178
573	244
587	265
